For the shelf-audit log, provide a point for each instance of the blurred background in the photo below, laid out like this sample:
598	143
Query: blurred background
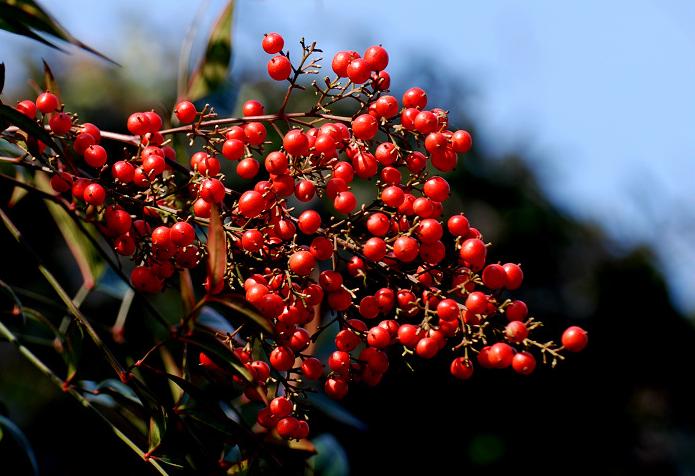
582	116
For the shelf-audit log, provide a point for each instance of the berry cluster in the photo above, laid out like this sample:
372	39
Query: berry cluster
390	277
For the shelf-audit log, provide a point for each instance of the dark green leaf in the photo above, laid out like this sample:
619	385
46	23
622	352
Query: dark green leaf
217	250
29	15
240	306
86	255
13	26
14	431
18	119
214	66
49	81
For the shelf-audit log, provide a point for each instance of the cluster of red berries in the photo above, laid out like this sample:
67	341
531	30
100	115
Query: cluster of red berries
392	274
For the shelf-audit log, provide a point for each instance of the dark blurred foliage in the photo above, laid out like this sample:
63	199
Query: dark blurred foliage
621	407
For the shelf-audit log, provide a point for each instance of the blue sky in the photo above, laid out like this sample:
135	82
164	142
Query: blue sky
601	95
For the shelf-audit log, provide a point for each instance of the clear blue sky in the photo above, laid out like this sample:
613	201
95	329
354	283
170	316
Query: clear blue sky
600	94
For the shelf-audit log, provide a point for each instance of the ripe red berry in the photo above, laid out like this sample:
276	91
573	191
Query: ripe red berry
287	427
47	102
458	225
248	168
376	57
252	108
524	363
117	221
345	202
272	43
60	123
302	263
280	406
27	107
476	302
233	149
516	311
379	337
437	189
61	182
406	248
304	190
94	194
282	358
312	368
409	335
430	231
393	196
516	331
155	121
387	106
461	368
425	122
279	68
575	339
95	156
378	224
358	71
448	310
336	388
427	347
415	97
381	81
365	127
276	162
212	191
494	276
309	222
145	280
182	234
461	142
251	204
255	133
339	361
514	276
500	355
82	141
474	252
185	112
138	124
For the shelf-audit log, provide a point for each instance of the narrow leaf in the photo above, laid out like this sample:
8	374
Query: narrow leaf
31	15
49	81
214	66
18	119
240	306
19	192
217	250
87	257
187	291
2	77
13	26
14	431
219	353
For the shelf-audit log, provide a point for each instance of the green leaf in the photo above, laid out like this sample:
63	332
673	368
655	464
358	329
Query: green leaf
49	81
14	431
214	66
26	17
18	119
240	306
87	257
217	250
19	192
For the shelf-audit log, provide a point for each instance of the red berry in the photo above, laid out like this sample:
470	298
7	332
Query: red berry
47	102
378	224
60	123
378	337
381	81
272	43
282	358
202	208
309	222
494	276
393	196
82	141
339	300
387	106
406	249
514	276
280	406
461	142
27	107
345	202
305	190
461	368
458	225
185	112
95	156
448	310
386	153
474	252
296	142
252	108
138	124
251	204
248	168
279	68
145	280
415	97
425	122
182	234
94	194
302	263
336	388
341	60
437	189
524	363
427	347
233	149
516	331
312	368
287	427
117	221
376	57
500	355
365	127
339	361
409	335
276	163
430	231
476	302
516	311
155	121
255	133
575	339
212	191
358	71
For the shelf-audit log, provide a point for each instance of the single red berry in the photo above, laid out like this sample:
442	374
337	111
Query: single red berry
145	280
182	234
476	302
47	102
458	225
575	339
516	311
94	194
436	142
61	182
302	263
28	108
60	123
252	108
379	337
339	361
387	106
185	112
430	231
282	358
82	141
339	300
279	68
406	248
415	97
378	224
494	276
345	202
117	221
304	190
425	122
155	121
248	168
276	163
365	127
461	368
409	335
500	355
287	427
524	363
516	331
280	406
312	368
252	240
95	156
437	189
376	57
393	196
336	388
309	222
381	81
461	142
448	310
212	191
138	124
296	143
474	252
444	161
255	133
251	204
341	61
515	276
427	348
201	208
233	149
272	43
259	369
358	71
